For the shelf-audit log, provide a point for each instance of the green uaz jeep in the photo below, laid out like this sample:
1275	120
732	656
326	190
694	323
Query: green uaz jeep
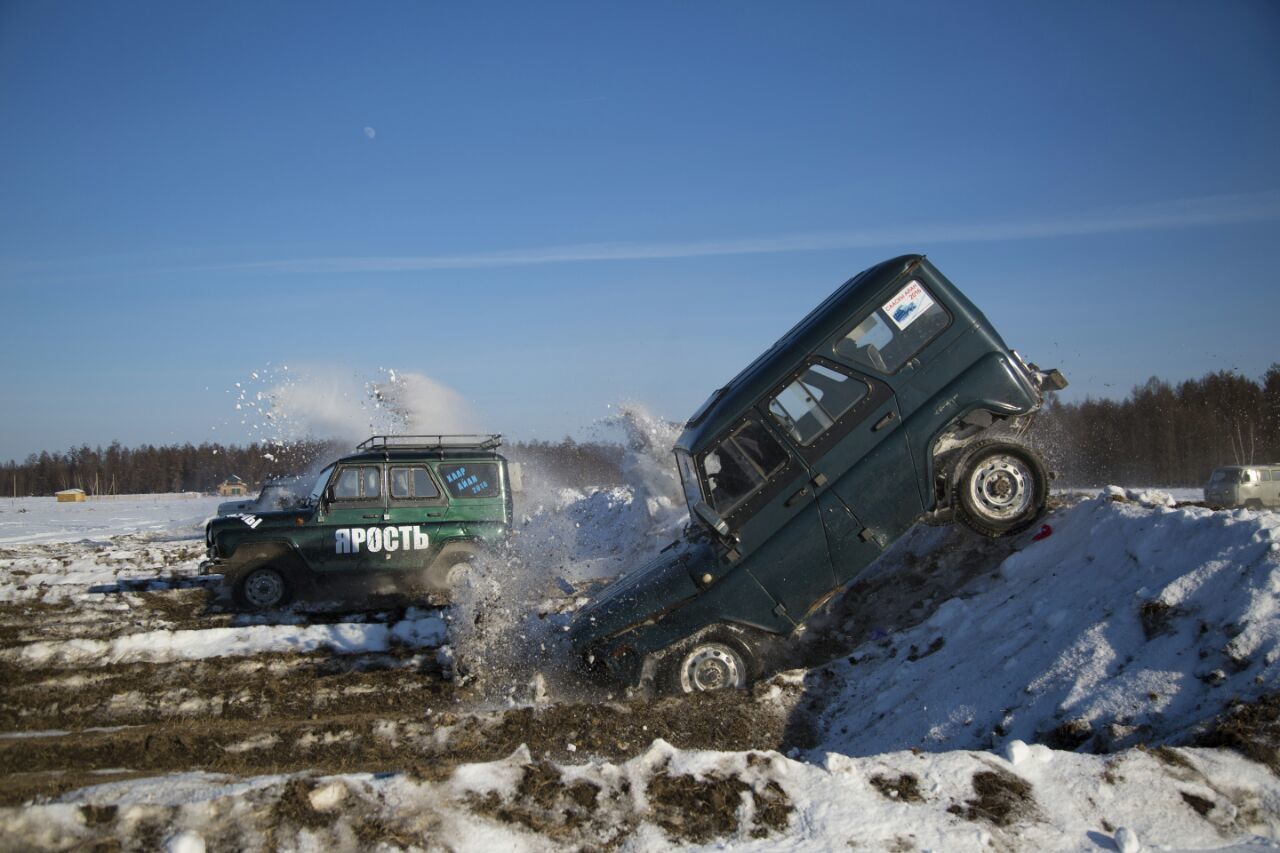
892	399
415	510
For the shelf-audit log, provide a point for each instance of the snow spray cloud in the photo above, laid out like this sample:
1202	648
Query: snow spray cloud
510	614
279	406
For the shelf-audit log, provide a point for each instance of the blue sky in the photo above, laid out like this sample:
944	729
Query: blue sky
556	207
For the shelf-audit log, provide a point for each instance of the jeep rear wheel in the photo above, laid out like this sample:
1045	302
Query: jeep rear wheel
1000	488
263	589
451	567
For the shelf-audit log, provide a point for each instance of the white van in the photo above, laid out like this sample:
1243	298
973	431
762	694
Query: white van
1251	486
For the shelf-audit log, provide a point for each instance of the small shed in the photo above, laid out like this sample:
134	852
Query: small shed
233	487
70	496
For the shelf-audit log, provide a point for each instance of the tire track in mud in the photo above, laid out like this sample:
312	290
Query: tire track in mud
65	726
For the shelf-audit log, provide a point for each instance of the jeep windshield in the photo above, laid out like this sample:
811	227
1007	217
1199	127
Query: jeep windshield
313	497
689	480
1230	475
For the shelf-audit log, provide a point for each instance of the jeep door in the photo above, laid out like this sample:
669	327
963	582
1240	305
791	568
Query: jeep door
355	507
760	489
844	426
415	506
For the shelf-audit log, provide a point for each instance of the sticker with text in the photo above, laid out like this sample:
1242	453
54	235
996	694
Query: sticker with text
908	304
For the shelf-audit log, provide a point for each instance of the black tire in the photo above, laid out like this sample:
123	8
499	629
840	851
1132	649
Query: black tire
999	487
450	567
1253	504
718	659
263	588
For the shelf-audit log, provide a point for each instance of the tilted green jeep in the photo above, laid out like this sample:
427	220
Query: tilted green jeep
893	399
414	510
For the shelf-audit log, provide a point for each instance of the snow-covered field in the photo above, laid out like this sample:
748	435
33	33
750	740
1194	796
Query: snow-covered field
1108	686
26	520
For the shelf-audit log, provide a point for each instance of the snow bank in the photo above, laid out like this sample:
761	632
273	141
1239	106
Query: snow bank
342	638
1130	623
702	800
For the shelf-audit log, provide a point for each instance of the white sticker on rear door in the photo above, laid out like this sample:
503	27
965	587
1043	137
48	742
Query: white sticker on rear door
909	303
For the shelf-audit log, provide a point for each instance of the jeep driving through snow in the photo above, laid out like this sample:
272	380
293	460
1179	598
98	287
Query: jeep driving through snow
415	511
892	399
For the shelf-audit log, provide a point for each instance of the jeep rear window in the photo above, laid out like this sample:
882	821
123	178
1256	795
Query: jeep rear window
415	482
737	467
471	479
897	330
818	398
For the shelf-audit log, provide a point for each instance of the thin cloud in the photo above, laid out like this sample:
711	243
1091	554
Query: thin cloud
1183	213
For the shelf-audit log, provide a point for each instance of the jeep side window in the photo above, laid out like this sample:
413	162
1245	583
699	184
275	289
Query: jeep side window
348	486
471	479
897	330
811	404
414	482
355	483
738	466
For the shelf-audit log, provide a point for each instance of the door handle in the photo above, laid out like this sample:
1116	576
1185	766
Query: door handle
797	496
884	422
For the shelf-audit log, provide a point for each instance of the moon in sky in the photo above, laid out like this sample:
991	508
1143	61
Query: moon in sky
370	132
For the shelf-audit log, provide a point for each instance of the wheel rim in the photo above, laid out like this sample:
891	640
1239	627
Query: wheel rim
712	667
457	572
1001	487
264	588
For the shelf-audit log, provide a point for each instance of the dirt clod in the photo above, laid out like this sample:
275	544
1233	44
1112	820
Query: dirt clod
698	810
1156	617
1250	728
1001	798
905	788
1199	804
1068	736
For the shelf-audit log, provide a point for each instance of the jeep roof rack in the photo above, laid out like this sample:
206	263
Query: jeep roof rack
387	443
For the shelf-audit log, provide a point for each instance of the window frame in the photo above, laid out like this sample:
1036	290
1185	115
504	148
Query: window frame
415	500
497	480
363	501
766	491
878	393
835	419
877	310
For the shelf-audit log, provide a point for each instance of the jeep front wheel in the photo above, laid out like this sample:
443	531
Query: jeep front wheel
263	589
1000	488
714	661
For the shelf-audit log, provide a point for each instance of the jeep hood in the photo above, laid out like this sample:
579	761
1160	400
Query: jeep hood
645	595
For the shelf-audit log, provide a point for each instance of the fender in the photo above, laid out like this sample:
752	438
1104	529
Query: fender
953	404
281	553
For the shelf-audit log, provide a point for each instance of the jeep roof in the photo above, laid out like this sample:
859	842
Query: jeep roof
727	404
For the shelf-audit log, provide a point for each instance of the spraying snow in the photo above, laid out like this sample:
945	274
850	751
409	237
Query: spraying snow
510	616
280	406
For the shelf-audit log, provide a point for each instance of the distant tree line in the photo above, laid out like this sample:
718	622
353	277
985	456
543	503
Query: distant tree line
1160	434
149	469
200	468
1164	434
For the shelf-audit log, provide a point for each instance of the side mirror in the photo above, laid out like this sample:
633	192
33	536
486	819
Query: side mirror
712	518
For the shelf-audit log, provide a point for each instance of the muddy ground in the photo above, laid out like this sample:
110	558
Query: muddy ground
67	725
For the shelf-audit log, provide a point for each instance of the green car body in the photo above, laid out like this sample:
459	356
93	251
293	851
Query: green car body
803	469
407	509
